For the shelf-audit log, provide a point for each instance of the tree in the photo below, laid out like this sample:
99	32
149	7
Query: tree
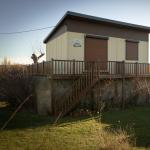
35	58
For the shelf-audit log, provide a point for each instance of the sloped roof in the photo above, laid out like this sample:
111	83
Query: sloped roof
95	19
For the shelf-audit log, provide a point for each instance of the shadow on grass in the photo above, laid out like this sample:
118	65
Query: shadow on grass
134	120
26	119
22	119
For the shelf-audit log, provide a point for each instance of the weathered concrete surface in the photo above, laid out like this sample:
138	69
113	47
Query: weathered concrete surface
43	95
107	91
110	92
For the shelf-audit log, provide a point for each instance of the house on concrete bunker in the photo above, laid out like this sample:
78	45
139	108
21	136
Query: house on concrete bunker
75	43
87	38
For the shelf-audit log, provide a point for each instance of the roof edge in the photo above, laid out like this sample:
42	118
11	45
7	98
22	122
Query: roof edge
98	19
56	27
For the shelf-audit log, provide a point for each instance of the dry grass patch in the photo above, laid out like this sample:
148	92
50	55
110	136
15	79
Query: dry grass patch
69	134
32	132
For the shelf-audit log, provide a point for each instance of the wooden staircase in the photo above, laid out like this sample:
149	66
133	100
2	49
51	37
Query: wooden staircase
71	98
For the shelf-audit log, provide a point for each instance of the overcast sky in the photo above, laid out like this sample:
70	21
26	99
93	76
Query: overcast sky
18	15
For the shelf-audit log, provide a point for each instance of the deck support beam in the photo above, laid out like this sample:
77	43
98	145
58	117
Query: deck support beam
123	82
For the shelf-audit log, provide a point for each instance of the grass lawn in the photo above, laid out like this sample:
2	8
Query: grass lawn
32	132
136	119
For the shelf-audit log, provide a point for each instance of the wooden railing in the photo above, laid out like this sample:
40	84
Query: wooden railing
75	68
71	98
44	68
87	73
72	68
90	73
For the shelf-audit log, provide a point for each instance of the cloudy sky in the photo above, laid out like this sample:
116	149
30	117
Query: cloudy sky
19	15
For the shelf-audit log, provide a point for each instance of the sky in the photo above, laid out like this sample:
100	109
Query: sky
19	15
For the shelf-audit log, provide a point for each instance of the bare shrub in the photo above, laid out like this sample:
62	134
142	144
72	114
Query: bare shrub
6	61
15	84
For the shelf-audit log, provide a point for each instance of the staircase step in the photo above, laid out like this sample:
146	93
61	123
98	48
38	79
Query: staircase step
80	87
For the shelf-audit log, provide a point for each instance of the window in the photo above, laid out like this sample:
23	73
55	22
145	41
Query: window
131	50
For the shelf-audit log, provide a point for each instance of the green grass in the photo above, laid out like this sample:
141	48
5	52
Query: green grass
135	118
31	132
28	131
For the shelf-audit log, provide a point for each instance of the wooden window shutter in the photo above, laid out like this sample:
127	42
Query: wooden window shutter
131	50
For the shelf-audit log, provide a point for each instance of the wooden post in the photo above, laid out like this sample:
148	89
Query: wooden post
73	69
43	68
123	82
116	68
74	72
52	67
136	67
52	97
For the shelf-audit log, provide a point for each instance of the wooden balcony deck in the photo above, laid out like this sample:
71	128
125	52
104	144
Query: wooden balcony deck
67	69
84	75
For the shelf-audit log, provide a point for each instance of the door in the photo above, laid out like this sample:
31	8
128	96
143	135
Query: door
96	50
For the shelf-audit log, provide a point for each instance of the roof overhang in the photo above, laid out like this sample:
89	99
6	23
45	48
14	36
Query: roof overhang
95	19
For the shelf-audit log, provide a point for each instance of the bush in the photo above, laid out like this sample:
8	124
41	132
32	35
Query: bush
15	84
